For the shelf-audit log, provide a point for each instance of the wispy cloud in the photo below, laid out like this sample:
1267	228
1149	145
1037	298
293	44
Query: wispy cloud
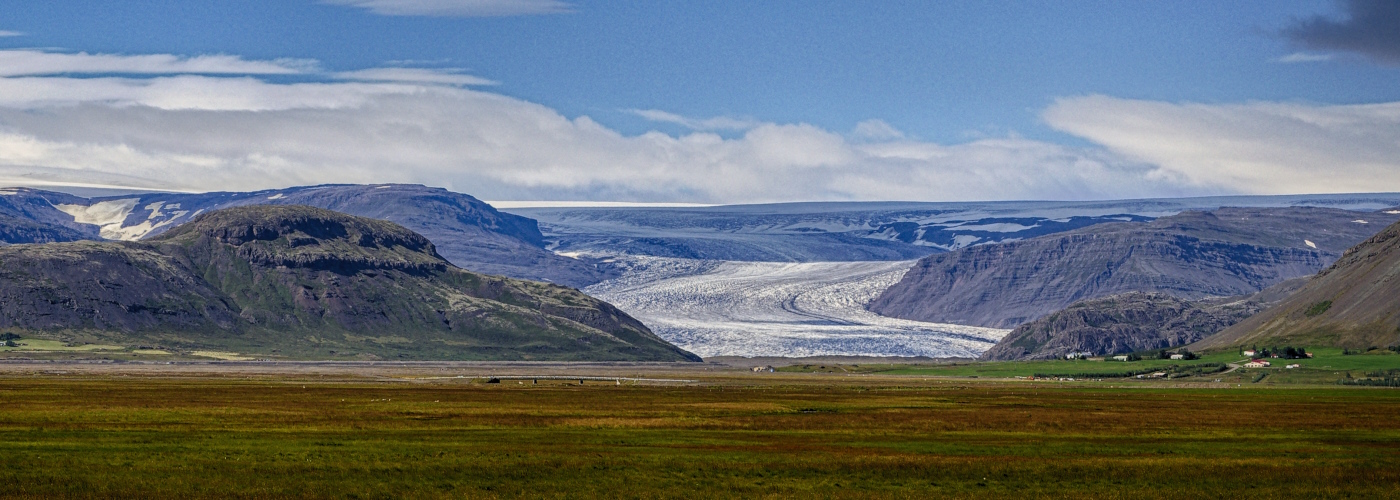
458	8
1259	147
449	76
1305	57
1371	28
715	123
37	62
4	33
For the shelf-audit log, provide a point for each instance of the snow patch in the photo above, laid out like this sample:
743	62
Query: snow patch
1360	221
384	187
715	308
998	227
7	192
1310	244
107	215
1393	212
964	241
277	196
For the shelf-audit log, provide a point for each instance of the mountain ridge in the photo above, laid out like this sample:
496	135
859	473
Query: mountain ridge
305	282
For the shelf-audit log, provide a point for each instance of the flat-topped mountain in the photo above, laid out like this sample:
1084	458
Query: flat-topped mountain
1192	255
304	282
1355	303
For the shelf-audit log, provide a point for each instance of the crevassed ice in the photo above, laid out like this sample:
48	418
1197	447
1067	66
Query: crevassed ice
728	308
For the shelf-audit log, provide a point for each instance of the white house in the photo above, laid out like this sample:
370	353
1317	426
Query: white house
1256	363
1249	353
1120	358
1178	356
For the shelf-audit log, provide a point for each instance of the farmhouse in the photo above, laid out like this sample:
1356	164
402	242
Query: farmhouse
1249	353
1178	356
1256	363
1120	358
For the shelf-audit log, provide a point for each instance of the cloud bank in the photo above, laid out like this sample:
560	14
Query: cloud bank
457	8
210	131
1260	148
1371	28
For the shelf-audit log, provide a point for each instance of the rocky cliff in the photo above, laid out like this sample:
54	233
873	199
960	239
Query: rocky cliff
304	282
1192	255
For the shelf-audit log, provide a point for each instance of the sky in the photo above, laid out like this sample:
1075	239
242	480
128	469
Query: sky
706	102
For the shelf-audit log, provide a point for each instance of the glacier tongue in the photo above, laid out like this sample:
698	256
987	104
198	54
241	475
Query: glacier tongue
730	308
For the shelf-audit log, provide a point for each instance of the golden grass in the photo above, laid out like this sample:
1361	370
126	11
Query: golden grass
88	436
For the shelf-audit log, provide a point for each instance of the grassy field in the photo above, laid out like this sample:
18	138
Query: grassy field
1328	366
780	436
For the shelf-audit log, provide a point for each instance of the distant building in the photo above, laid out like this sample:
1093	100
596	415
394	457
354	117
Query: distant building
1294	365
763	369
1249	353
1120	358
1256	363
1178	356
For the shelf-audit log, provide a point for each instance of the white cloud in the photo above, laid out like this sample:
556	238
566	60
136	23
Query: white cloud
4	33
415	75
37	62
457	8
1305	57
203	132
875	130
715	123
1261	147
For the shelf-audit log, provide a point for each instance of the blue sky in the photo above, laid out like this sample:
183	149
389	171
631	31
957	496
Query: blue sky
706	101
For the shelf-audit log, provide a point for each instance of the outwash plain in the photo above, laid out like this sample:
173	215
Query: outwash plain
818	427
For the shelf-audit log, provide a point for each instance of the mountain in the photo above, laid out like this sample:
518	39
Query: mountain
1192	255
304	282
1131	322
468	232
29	216
1351	304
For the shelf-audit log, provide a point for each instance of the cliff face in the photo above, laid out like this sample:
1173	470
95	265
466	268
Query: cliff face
1355	303
1193	255
305	283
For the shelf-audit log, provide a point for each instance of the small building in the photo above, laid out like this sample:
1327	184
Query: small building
1249	353
1120	358
763	369
1256	363
1292	366
1178	356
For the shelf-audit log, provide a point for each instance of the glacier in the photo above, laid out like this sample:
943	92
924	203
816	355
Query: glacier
734	308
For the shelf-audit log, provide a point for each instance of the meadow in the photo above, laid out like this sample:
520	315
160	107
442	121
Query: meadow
81	434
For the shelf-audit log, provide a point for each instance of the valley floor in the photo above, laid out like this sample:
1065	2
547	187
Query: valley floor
729	308
416	430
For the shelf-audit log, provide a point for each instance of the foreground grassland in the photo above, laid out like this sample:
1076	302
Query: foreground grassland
782	436
1328	366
